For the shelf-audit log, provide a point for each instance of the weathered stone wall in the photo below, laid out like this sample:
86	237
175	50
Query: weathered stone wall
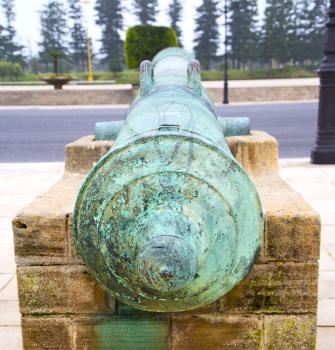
274	308
126	95
66	97
268	94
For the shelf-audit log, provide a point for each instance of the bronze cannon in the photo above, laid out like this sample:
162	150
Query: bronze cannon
168	220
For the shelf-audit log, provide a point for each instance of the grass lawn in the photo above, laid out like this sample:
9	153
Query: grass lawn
132	76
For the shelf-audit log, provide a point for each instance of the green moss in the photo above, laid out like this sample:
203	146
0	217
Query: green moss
264	291
291	333
29	288
256	338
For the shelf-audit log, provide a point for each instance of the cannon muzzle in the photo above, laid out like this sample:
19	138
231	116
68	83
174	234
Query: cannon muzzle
168	220
167	263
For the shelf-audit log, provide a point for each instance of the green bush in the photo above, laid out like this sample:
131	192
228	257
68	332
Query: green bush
144	42
10	71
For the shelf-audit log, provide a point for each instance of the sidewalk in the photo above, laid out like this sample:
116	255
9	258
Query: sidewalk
257	83
253	83
317	185
21	182
19	185
270	90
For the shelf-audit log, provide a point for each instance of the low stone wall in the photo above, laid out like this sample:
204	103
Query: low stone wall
275	307
267	94
66	97
126	95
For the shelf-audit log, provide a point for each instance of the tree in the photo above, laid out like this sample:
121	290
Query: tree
146	10
78	43
207	34
244	32
9	49
175	11
316	36
301	27
53	31
278	31
111	21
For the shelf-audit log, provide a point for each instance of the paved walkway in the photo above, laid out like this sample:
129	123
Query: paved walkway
257	83
253	83
20	183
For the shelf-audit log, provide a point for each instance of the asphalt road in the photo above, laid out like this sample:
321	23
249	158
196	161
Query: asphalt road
39	135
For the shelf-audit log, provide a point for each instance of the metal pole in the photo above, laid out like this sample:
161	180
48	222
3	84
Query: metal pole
225	90
324	152
89	60
88	43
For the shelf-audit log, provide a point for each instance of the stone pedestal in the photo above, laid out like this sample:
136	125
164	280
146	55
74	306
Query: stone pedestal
273	308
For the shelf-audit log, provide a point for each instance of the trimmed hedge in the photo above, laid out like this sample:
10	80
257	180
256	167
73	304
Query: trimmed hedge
144	42
10	71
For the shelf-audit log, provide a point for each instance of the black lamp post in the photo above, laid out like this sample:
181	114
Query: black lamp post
324	152
225	90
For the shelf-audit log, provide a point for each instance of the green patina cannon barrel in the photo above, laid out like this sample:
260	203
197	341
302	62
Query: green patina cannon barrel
168	220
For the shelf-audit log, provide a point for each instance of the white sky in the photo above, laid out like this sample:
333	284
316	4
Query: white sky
27	21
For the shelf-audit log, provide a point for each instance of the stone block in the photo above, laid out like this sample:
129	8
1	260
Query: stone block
292	231
217	332
274	308
292	227
41	229
275	288
257	153
290	332
122	94
293	237
47	333
83	154
96	332
60	289
266	93
122	333
203	331
74	258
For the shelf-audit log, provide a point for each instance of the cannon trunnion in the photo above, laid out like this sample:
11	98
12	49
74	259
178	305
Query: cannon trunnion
168	220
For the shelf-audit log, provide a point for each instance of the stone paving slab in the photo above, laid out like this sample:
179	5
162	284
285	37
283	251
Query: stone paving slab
328	235
317	185
10	313
20	183
10	338
6	238
326	286
326	262
5	280
326	313
5	224
9	292
326	338
7	261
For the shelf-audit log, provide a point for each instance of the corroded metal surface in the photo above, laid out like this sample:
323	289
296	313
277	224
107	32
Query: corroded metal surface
105	131
168	220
